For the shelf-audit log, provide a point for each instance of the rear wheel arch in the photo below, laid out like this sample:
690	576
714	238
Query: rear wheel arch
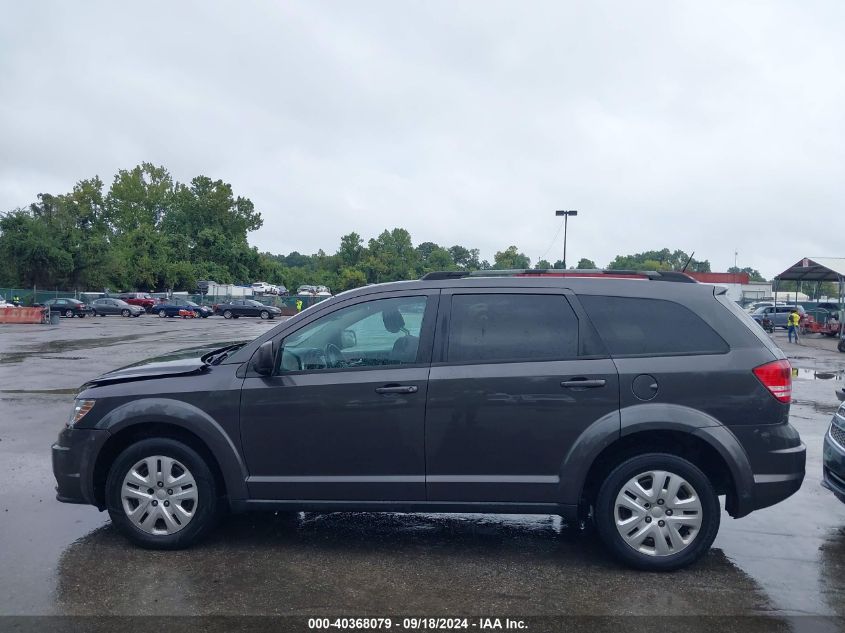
687	445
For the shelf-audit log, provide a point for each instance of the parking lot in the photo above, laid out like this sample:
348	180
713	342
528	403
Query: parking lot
784	562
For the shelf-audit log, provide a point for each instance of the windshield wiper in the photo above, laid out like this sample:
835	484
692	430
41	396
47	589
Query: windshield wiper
219	355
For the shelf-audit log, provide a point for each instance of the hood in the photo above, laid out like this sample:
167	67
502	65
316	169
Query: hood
184	362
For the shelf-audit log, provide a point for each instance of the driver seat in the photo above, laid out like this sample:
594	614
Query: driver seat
404	350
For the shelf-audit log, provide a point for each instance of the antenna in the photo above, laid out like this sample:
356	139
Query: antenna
684	269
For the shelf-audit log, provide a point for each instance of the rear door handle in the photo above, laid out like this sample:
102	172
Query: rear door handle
583	383
397	389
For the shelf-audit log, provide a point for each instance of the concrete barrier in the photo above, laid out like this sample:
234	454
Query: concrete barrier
23	315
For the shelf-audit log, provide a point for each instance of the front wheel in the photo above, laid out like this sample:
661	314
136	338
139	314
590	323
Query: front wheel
162	314
841	346
69	314
227	314
125	313
265	315
161	494
657	512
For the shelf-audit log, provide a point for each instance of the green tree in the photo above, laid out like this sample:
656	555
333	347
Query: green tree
753	274
586	264
511	258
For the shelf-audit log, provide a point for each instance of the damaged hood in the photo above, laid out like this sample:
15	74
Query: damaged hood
183	362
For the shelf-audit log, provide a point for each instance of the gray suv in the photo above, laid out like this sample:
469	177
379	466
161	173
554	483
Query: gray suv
632	400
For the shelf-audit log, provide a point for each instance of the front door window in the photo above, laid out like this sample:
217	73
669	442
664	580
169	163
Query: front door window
384	332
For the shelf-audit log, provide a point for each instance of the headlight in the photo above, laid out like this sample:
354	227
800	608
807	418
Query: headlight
80	410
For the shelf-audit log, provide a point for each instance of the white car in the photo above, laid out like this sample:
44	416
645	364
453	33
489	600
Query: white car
261	288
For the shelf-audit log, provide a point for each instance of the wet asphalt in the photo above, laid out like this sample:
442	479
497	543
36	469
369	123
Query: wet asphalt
59	559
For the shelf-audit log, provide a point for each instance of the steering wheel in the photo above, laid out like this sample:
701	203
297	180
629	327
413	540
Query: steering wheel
334	356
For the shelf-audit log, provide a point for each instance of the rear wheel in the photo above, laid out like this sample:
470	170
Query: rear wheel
841	346
69	314
161	494
162	314
657	512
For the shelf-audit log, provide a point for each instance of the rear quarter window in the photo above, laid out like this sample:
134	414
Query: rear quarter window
651	327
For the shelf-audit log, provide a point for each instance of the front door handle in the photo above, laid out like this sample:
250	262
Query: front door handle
397	389
583	383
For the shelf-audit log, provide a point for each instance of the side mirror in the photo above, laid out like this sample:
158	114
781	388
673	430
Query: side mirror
348	339
262	362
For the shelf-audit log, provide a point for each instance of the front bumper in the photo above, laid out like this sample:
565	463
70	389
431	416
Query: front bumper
833	459
74	457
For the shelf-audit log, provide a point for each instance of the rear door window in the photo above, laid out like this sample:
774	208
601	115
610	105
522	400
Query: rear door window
486	328
650	327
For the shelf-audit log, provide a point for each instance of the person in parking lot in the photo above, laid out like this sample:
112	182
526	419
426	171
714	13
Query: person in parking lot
299	305
792	325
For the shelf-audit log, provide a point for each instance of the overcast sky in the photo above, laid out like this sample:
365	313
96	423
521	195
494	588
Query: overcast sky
710	127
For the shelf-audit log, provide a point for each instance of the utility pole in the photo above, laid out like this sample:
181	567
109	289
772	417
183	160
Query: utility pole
565	215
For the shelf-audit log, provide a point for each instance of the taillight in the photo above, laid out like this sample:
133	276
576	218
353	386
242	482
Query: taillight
777	378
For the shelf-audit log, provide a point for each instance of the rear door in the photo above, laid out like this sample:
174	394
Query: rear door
516	379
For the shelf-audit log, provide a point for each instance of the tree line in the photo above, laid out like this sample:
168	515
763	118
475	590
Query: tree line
147	231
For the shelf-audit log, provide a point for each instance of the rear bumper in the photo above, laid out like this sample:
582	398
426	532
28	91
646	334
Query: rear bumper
776	459
74	457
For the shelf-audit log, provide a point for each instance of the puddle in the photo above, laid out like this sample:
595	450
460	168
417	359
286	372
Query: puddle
72	392
57	347
817	374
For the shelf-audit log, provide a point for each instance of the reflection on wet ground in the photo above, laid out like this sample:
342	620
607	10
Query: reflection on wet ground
358	563
817	374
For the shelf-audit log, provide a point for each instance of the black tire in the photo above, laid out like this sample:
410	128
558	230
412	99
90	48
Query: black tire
81	316
228	314
162	314
205	316
630	468
125	313
69	314
208	505
264	315
841	346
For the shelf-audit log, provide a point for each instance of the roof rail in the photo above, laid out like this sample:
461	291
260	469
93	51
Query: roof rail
653	275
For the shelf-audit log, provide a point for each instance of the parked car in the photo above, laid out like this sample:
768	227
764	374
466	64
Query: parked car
634	404
306	290
261	288
247	308
107	306
143	299
69	307
172	307
833	471
777	314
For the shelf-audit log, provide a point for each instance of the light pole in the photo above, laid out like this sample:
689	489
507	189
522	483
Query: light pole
565	215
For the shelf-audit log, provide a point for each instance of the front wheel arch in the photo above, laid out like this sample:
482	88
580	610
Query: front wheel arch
122	440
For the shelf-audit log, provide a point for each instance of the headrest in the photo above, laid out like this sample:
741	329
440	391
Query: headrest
393	320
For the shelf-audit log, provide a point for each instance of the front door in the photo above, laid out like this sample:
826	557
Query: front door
342	418
511	389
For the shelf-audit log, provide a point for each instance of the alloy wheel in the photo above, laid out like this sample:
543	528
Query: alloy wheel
159	495
658	513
